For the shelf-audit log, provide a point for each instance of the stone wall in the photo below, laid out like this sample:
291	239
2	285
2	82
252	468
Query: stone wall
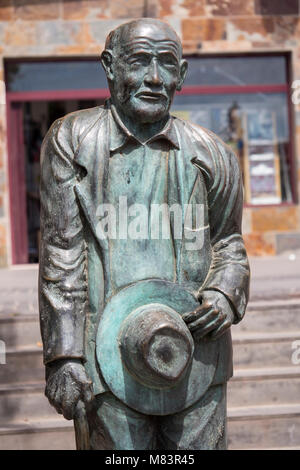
48	28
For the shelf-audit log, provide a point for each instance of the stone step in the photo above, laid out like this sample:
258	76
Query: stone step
23	403
271	427
18	330
266	349
22	328
264	427
54	434
270	316
23	365
274	386
253	350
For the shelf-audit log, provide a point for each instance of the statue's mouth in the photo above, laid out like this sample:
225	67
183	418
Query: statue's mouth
150	96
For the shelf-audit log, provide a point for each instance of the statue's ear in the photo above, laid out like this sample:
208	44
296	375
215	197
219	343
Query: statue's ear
106	61
182	73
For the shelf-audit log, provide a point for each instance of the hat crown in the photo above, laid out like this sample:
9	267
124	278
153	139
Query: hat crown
156	346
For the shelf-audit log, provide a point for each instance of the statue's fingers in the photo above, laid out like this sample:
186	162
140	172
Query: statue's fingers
88	395
69	398
68	407
200	333
197	313
50	390
204	320
56	400
220	330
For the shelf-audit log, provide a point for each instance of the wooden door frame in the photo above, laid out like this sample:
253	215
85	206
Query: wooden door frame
16	159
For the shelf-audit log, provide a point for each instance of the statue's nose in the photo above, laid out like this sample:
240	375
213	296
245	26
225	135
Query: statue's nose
153	76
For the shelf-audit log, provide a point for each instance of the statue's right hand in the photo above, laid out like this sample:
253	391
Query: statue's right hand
67	383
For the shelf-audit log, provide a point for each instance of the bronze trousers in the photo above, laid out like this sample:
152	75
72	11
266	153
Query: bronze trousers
114	426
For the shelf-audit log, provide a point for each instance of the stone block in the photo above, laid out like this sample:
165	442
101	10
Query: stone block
276	7
176	25
287	242
181	8
165	8
37	9
275	219
132	9
20	34
203	29
192	8
229	8
258	245
23	366
44	436
224	46
57	33
24	405
6	10
85	9
100	29
83	49
263	391
251	29
285	28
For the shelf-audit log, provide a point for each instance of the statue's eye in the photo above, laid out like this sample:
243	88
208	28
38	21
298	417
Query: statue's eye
168	60
140	59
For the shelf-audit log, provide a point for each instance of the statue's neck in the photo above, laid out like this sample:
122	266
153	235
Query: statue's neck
142	131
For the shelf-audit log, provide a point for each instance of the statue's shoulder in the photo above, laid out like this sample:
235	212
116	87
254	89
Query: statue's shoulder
200	136
69	130
74	125
78	122
209	151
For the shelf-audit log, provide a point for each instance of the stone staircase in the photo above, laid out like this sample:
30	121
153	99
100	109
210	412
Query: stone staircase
263	395
27	421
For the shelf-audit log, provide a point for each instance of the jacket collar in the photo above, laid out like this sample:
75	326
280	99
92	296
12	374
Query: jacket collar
119	134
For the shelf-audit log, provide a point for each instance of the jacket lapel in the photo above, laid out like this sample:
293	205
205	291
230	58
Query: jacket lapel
93	155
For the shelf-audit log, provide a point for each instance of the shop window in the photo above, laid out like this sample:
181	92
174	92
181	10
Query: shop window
244	100
54	75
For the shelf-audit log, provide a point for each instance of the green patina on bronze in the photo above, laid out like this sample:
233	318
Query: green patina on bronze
93	289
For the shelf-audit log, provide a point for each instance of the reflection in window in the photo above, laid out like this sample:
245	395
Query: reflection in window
256	126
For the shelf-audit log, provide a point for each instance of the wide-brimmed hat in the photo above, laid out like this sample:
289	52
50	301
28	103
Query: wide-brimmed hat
146	353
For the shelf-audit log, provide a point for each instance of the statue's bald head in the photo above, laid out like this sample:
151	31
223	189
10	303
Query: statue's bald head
152	28
144	68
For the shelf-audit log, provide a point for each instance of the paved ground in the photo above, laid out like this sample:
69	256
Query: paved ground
271	277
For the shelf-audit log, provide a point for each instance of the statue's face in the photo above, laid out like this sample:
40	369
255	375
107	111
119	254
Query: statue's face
147	70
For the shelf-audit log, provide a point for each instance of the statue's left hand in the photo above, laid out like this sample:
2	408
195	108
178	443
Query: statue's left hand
213	317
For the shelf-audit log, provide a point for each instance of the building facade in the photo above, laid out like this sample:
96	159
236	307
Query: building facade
243	83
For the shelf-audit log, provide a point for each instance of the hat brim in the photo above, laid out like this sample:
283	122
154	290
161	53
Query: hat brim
123	385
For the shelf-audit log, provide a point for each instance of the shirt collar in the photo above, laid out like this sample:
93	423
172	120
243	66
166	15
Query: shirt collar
119	134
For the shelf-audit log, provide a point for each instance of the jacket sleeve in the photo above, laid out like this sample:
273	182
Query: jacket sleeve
229	272
62	275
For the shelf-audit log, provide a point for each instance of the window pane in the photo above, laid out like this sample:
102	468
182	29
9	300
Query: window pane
236	70
56	75
256	126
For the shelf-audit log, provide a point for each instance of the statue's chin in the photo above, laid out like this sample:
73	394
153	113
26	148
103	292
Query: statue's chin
151	113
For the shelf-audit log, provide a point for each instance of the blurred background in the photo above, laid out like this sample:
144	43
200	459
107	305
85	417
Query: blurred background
243	83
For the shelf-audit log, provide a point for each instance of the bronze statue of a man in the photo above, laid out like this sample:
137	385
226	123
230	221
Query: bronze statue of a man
136	309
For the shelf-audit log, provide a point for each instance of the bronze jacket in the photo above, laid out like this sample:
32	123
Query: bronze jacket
74	284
